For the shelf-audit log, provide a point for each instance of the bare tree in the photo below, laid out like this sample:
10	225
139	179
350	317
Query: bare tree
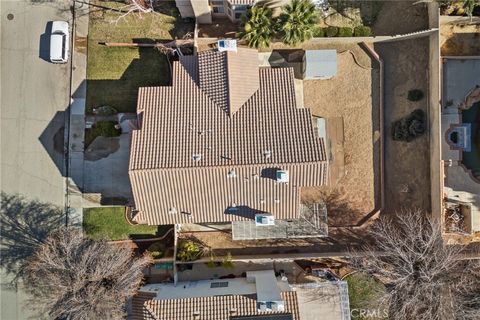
426	278
78	278
135	6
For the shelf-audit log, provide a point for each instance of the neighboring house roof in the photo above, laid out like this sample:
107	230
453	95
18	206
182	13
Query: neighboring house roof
242	2
210	308
201	151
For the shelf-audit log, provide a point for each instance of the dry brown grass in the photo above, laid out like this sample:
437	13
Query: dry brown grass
352	95
407	164
460	39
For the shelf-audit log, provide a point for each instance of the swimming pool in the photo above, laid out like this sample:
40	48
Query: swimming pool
471	159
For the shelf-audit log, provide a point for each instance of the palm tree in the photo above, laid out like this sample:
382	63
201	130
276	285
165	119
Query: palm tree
469	6
257	28
297	22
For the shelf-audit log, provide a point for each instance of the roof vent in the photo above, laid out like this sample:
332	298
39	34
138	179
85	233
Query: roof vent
172	210
196	314
267	154
282	176
197	157
233	311
231	174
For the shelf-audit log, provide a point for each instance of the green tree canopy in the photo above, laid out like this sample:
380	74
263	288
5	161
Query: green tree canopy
297	22
257	27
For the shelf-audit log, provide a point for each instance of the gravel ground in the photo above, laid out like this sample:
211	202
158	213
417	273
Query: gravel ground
460	39
400	17
407	165
352	95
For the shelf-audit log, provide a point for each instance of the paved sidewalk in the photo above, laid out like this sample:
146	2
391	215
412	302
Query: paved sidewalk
77	117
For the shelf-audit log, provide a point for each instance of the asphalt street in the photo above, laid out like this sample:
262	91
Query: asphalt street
34	97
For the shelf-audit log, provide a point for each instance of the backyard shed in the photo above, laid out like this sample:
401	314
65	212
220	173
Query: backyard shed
319	64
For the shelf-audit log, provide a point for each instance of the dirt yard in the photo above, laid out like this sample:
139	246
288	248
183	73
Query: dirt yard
351	98
400	17
221	243
461	39
407	164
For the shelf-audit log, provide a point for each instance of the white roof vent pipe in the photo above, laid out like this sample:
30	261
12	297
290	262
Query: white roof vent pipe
197	157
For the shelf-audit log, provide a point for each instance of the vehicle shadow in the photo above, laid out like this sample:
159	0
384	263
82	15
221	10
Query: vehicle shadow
44	51
24	225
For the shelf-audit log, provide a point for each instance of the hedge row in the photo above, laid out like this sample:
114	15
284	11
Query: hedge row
360	31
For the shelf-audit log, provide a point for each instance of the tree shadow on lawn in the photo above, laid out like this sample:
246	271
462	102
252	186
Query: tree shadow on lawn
24	225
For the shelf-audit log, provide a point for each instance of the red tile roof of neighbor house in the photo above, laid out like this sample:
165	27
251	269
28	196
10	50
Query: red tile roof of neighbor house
208	308
215	138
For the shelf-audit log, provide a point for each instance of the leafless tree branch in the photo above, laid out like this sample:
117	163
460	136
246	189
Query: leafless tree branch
134	7
78	278
427	279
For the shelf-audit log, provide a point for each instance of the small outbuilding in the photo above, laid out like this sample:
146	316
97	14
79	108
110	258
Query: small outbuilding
319	64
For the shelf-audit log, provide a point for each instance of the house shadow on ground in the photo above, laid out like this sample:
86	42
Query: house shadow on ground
151	68
108	174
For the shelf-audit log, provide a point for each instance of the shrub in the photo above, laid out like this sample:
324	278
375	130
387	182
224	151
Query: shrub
156	250
362	31
345	32
415	95
227	261
211	263
105	111
107	129
103	129
331	31
188	251
409	127
319	32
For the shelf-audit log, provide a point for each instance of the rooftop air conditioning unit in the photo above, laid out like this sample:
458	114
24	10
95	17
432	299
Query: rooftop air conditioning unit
227	45
262	306
262	219
275	306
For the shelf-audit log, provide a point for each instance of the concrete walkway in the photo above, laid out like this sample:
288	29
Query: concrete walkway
77	117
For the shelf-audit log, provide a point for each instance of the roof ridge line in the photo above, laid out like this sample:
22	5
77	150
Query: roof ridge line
231	166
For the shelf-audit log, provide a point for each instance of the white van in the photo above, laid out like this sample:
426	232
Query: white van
59	42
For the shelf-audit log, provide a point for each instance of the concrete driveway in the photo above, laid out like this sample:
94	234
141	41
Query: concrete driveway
34	97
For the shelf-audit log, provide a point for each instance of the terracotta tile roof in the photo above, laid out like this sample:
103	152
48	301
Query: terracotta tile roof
188	146
138	306
211	308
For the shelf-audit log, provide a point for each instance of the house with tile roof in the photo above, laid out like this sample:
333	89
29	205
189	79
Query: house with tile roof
259	295
224	142
205	10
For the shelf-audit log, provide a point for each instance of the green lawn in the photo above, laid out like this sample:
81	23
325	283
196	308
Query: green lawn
109	223
114	74
364	292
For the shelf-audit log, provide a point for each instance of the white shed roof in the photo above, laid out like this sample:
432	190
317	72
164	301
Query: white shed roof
320	64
